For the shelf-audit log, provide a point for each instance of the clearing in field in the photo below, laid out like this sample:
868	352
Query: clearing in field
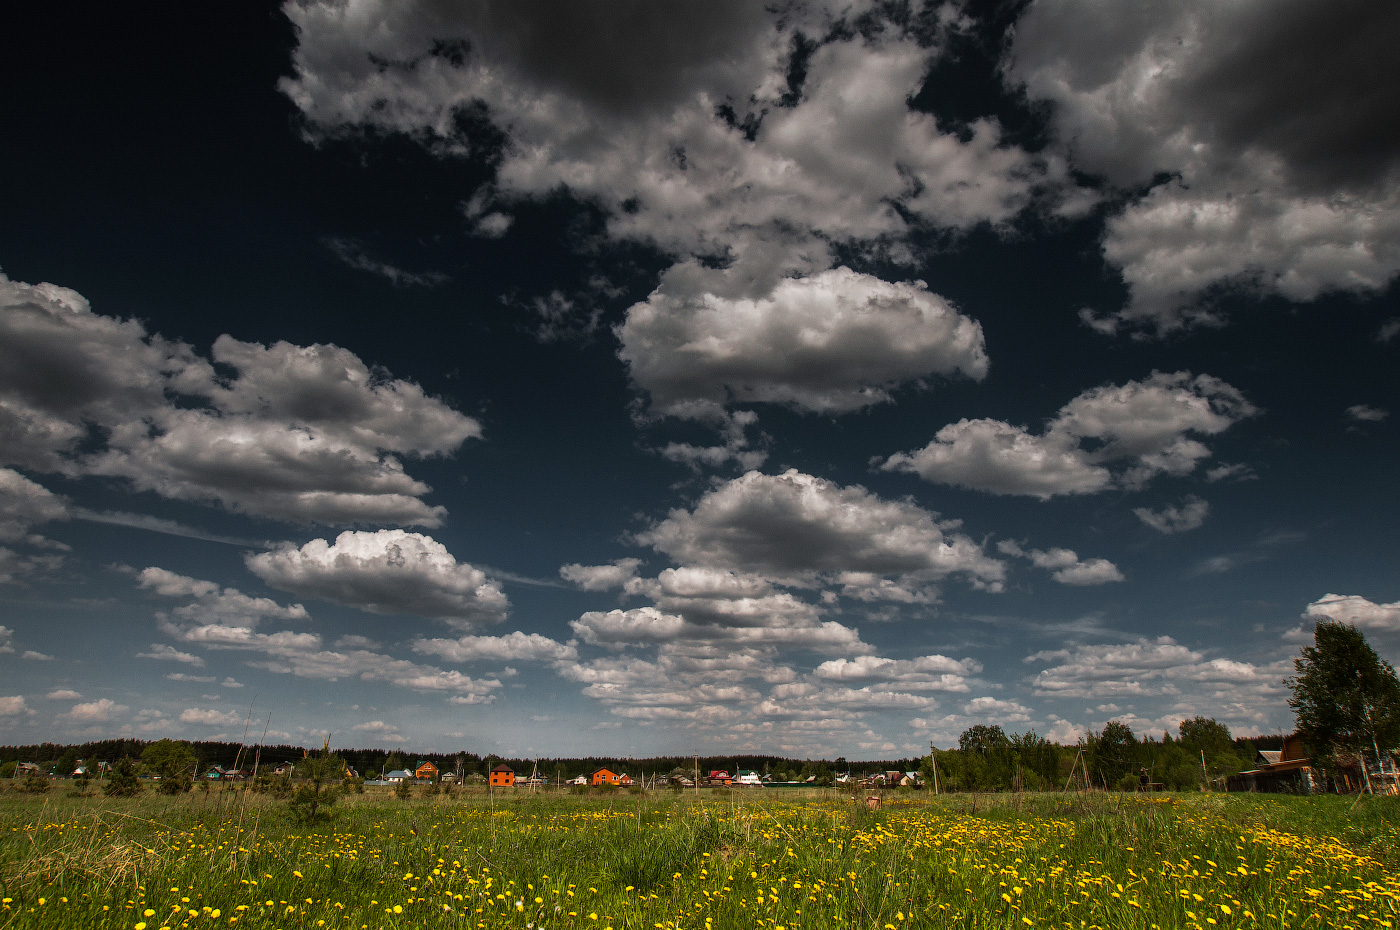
740	859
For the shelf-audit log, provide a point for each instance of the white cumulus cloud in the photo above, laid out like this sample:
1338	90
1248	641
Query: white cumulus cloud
385	572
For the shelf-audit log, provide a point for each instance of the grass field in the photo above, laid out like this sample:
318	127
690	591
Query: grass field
740	859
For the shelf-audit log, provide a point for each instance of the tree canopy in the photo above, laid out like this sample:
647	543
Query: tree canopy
1345	696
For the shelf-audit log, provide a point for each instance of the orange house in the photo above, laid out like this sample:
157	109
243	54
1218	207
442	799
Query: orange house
426	771
605	777
502	776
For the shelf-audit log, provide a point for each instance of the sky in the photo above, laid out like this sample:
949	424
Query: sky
632	378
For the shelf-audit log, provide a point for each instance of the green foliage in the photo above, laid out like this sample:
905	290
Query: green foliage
8	769
940	862
982	738
321	779
169	758
989	760
402	790
178	783
1205	734
1113	753
122	782
1345	696
35	784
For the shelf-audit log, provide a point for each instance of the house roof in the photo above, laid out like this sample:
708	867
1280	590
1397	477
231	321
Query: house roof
400	773
503	768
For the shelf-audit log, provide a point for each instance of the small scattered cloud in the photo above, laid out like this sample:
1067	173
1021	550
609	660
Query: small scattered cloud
1065	565
210	718
14	706
353	253
100	711
64	694
1365	413
169	653
1175	518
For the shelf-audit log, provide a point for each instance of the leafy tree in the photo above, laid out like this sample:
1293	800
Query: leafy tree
393	763
122	782
66	763
982	738
8	769
1205	735
1346	697
169	758
1114	752
321	779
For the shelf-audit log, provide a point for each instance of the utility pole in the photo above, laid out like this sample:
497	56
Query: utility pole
697	775
933	757
1204	774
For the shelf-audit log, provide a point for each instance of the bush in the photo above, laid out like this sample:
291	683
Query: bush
35	784
402	790
322	777
178	783
122	783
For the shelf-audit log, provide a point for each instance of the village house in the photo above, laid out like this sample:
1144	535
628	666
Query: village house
748	779
581	781
397	775
604	777
426	771
1290	770
719	777
503	776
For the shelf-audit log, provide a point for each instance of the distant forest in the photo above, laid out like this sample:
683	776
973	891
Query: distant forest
366	761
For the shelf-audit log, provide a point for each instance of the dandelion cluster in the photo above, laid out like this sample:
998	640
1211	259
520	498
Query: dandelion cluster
683	865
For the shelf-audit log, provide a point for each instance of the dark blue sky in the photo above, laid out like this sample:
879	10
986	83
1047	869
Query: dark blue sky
633	378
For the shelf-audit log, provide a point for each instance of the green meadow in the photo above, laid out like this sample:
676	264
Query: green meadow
721	859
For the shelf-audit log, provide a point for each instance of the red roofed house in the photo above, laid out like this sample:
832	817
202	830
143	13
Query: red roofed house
502	776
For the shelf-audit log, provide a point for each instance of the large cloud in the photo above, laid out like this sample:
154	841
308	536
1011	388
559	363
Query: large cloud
205	622
1355	609
1273	124
211	604
385	572
1164	669
830	343
296	433
795	524
1145	427
752	171
24	504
